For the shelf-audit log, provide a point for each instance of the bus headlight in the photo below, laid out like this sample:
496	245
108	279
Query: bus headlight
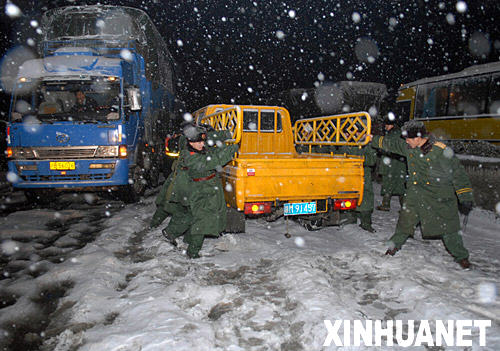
106	151
21	153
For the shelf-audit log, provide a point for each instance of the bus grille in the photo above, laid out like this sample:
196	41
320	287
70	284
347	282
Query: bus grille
66	152
66	178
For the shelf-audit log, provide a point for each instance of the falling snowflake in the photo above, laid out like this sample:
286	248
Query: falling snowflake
450	18
461	6
299	241
126	55
9	247
12	10
356	17
280	34
188	117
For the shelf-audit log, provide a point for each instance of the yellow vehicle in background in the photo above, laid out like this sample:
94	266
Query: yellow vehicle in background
268	176
462	106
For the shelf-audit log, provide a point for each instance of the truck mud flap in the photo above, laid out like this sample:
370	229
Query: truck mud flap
235	222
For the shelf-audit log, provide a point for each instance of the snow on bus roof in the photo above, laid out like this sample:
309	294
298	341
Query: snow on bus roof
467	72
69	65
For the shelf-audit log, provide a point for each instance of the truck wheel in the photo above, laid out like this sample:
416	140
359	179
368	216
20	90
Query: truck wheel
139	181
235	222
132	193
153	177
151	171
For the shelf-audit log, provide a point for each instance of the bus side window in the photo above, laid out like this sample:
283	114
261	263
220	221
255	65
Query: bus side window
468	96
432	100
494	96
402	110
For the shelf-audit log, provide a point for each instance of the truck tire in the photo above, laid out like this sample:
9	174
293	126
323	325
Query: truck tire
235	222
153	177
132	193
151	171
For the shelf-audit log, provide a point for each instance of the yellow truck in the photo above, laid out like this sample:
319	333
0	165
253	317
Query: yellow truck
280	170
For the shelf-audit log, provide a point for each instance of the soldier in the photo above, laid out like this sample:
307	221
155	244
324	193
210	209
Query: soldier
195	197
364	212
392	168
436	180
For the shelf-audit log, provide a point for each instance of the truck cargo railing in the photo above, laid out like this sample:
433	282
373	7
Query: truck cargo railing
349	129
230	119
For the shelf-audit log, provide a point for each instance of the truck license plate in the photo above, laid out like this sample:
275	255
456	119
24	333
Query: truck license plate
300	208
62	166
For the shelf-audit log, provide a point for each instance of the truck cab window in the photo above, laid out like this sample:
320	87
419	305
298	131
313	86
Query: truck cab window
267	121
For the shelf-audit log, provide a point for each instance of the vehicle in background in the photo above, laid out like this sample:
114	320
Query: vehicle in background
116	57
269	177
462	106
331	98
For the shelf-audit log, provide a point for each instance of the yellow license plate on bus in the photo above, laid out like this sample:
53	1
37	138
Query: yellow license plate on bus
62	166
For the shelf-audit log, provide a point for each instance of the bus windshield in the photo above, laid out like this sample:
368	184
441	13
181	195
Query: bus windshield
93	100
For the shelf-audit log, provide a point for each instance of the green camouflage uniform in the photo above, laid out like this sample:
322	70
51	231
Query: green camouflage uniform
435	180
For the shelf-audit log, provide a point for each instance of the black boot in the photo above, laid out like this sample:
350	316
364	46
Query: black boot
193	255
386	203
169	237
464	263
392	251
366	221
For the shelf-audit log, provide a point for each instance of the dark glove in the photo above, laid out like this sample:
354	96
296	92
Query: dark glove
208	128
465	207
158	217
227	134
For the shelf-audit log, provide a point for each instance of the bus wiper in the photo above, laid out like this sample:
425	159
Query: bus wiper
50	119
88	119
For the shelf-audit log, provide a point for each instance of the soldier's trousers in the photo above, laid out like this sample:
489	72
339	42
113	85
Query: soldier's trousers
180	220
179	225
406	227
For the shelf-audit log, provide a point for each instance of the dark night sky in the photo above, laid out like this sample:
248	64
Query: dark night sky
231	46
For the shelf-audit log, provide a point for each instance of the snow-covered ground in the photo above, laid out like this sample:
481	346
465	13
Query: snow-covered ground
129	290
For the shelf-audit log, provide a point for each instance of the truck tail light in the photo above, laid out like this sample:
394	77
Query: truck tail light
257	207
8	152
122	151
345	204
